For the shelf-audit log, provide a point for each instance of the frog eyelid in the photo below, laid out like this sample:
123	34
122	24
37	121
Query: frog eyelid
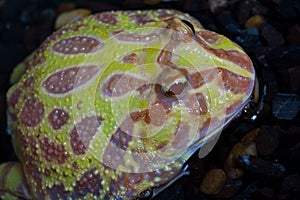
190	25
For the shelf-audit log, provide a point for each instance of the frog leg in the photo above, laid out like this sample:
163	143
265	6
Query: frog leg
13	182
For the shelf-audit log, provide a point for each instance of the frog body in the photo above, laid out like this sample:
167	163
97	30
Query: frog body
114	104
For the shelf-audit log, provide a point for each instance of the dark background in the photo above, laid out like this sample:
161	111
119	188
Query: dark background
274	47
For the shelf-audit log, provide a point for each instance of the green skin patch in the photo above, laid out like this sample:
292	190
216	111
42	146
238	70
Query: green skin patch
114	104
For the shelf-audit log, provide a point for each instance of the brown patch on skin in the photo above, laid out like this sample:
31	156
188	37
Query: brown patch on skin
131	58
83	132
199	79
134	37
128	181
34	176
77	44
120	84
235	83
89	183
32	112
141	115
113	156
209	125
196	104
181	137
121	139
58	118
238	58
53	152
107	18
208	36
141	19
66	80
58	191
28	82
234	107
38	56
14	98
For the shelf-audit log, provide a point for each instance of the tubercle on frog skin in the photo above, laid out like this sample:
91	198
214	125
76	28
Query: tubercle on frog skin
47	152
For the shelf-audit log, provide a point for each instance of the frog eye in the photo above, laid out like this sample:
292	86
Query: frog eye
190	25
176	88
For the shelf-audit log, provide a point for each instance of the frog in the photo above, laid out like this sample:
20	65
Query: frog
113	105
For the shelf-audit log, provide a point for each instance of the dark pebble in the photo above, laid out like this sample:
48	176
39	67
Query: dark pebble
12	33
273	37
285	106
294	74
173	192
284	57
293	35
228	23
244	11
248	39
10	56
267	140
288	8
291	183
230	188
260	166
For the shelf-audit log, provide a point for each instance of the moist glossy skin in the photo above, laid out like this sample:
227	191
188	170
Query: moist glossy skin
115	104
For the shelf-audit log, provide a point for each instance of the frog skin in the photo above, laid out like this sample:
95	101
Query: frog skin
114	104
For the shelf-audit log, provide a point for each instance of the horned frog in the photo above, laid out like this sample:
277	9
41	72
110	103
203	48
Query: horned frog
113	105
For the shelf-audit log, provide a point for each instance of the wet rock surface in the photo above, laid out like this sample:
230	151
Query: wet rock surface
268	30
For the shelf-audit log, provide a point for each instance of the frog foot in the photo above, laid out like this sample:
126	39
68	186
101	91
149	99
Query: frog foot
12	182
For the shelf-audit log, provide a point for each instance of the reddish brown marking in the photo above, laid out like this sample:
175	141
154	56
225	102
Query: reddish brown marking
208	36
58	191
28	82
89	183
131	58
235	83
234	107
128	181
58	118
107	18
181	137
113	156
121	139
38	56
199	79
66	80
83	132
164	59
53	152
141	19
120	84
33	175
210	124
141	115
27	144
14	98
239	58
32	112
196	104
134	37
77	44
